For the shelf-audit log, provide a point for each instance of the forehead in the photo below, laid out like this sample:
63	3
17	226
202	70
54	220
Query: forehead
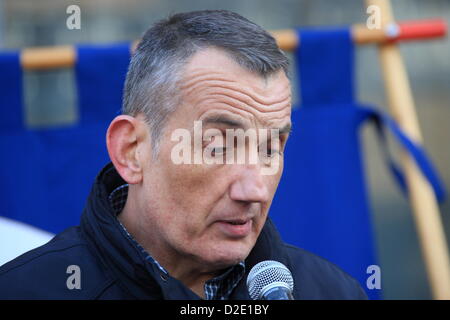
213	82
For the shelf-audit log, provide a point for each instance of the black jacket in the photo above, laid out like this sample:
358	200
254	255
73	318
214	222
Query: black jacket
112	267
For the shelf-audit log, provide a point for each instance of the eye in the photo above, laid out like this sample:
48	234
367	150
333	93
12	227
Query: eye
214	145
269	150
218	150
272	152
215	150
272	148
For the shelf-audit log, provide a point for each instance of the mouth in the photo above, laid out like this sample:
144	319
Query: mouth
236	228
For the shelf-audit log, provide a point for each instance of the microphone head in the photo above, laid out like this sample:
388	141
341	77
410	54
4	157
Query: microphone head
268	274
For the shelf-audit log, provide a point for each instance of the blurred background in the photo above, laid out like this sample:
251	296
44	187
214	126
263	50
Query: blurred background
50	98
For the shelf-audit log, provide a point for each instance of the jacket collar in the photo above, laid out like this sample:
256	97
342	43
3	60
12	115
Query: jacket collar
125	262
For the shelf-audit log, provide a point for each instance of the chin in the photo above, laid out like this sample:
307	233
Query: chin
227	255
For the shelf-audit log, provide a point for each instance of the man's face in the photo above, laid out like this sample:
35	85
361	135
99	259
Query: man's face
212	214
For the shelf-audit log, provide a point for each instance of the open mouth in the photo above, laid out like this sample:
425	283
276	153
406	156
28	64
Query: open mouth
236	228
236	223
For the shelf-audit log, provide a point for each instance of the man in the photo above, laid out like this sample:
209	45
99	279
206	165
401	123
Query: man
156	228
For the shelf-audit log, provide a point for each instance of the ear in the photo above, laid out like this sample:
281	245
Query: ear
125	136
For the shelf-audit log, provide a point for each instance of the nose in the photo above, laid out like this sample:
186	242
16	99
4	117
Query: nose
249	185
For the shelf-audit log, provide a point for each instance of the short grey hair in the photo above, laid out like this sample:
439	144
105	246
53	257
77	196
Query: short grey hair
151	86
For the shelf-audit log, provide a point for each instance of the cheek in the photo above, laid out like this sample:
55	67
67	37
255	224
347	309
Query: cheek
189	193
278	176
189	185
272	183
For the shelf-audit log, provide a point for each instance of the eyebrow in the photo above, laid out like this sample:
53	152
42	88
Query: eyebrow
227	121
224	120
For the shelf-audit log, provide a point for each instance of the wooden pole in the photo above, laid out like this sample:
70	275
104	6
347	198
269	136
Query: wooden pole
288	40
65	56
422	199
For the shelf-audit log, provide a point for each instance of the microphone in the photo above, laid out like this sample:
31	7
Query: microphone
270	280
